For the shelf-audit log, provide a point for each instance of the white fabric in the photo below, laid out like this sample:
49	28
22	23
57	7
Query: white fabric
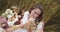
11	23
40	25
25	17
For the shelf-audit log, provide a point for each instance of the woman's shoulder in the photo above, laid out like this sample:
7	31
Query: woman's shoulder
26	12
41	22
40	25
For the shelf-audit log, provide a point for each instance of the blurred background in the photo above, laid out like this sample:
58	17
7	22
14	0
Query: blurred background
51	11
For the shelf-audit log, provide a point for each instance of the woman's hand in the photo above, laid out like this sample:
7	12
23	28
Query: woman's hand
31	19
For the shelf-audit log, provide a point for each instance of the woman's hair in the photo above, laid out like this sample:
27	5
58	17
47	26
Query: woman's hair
39	18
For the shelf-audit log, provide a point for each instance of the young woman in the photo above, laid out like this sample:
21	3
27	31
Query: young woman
37	14
32	19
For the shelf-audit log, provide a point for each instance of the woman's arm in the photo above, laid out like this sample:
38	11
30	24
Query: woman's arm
40	26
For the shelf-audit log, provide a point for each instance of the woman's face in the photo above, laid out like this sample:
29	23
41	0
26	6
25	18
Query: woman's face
35	12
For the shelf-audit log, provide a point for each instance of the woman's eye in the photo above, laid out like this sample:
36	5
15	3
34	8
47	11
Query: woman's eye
36	13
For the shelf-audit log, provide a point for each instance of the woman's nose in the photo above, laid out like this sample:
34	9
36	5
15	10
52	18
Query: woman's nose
35	15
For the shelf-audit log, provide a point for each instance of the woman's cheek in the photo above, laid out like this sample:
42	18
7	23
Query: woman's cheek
32	13
35	15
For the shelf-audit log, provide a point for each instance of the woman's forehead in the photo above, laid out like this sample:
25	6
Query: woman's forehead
37	11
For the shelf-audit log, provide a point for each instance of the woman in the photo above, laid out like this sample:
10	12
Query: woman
31	19
37	14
